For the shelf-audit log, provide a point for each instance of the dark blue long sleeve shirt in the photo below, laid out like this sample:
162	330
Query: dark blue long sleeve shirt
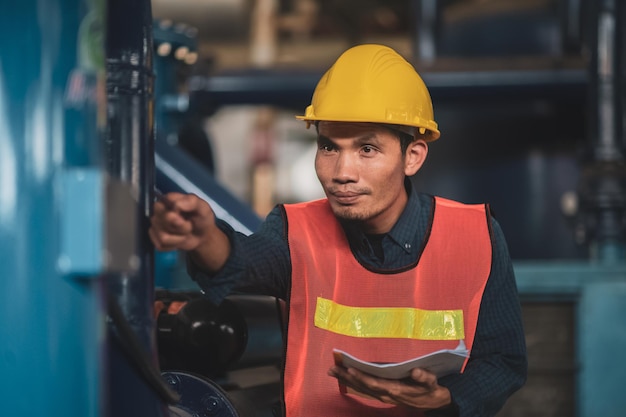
261	264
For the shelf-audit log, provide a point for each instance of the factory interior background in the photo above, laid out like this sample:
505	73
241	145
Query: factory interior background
530	98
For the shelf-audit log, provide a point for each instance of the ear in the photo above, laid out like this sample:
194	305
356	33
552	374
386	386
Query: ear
415	157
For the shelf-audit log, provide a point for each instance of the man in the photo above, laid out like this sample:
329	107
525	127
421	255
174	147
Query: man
375	269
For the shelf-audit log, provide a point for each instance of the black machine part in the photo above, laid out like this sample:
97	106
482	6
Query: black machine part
243	331
201	397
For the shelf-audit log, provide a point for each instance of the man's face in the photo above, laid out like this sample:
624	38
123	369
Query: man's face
362	169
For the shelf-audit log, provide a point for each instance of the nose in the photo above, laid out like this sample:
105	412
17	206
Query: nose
346	168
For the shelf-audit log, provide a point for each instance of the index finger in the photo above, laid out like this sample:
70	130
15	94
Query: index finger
182	203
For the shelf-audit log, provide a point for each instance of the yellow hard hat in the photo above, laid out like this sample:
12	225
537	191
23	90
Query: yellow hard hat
373	83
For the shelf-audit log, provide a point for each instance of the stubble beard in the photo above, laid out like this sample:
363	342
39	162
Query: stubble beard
352	214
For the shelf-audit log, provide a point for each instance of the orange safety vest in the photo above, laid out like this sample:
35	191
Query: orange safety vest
450	276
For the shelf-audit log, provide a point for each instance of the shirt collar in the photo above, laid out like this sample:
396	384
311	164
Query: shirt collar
402	233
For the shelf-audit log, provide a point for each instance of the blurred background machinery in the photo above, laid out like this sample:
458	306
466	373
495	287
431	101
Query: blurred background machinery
105	103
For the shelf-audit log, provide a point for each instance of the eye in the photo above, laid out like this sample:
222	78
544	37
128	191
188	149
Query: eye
368	149
325	145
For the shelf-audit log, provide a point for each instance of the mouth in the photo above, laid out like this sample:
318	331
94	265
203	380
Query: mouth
345	197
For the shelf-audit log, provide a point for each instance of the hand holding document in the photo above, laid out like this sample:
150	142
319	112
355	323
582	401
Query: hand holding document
441	363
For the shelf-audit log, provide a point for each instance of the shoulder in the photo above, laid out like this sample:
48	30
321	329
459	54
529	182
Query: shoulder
277	221
274	223
446	202
497	235
307	209
307	205
476	209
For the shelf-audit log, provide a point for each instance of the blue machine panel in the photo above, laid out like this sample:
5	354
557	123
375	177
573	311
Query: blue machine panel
51	328
82	250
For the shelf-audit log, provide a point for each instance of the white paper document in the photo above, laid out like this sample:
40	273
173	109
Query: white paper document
441	363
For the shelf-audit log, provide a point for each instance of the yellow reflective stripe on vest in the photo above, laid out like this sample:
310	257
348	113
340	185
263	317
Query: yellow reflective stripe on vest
389	322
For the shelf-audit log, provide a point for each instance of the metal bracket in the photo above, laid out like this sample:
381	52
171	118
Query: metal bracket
98	224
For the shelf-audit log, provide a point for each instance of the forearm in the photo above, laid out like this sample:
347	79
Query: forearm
485	385
259	263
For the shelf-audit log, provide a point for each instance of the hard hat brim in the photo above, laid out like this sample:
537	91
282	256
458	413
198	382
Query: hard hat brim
430	133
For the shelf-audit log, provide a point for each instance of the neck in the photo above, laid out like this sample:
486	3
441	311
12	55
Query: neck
384	222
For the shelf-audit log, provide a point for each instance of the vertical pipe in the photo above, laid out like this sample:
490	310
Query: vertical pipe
263	33
605	58
130	158
51	325
603	181
427	16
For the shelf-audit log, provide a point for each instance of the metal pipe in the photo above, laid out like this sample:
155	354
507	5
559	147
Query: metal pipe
605	61
427	22
602	188
130	158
